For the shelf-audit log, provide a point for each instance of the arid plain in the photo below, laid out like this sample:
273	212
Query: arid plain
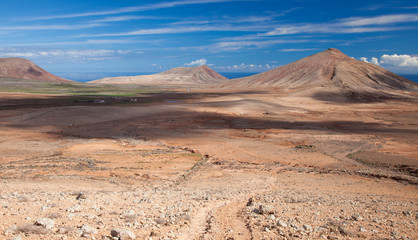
199	162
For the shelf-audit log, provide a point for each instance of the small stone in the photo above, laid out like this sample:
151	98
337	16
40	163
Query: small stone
75	208
362	229
81	196
45	222
281	223
250	202
122	234
356	217
11	230
17	238
63	230
307	228
406	213
44	208
265	209
87	231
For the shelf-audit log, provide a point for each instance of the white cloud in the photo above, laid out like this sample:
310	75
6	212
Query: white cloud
399	60
396	63
298	49
89	53
374	61
243	67
50	27
153	6
181	29
379	20
122	19
237	45
327	28
364	59
199	62
349	25
86	54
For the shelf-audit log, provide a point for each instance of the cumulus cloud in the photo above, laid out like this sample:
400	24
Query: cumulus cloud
364	59
396	62
199	62
372	60
243	67
399	60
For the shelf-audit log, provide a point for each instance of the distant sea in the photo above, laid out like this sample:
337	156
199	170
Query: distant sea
410	77
89	76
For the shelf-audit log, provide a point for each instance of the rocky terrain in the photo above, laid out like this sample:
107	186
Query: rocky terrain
205	163
24	69
177	76
242	165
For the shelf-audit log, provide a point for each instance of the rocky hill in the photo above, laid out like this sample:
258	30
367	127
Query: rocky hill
179	75
328	69
25	69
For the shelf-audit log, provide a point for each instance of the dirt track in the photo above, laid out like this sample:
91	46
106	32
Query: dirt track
208	165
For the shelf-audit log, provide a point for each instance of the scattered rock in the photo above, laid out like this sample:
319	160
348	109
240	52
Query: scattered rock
307	228
356	217
122	234
265	209
86	231
406	213
281	223
45	222
81	196
64	230
129	215
75	208
250	202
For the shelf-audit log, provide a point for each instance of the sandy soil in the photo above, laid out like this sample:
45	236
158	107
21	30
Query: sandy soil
207	165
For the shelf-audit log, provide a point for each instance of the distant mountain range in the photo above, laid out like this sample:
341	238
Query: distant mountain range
24	69
179	75
328	74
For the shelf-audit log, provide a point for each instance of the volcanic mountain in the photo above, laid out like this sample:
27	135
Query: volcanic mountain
179	75
25	69
327	70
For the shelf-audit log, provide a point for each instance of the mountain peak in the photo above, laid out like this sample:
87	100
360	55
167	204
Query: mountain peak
334	50
24	69
327	69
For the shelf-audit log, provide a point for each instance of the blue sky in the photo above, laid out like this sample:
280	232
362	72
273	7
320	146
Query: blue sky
228	35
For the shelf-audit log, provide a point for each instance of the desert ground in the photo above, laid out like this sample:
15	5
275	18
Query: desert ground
203	163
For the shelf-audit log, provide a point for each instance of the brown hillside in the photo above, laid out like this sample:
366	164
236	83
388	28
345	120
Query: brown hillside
179	75
328	69
25	69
